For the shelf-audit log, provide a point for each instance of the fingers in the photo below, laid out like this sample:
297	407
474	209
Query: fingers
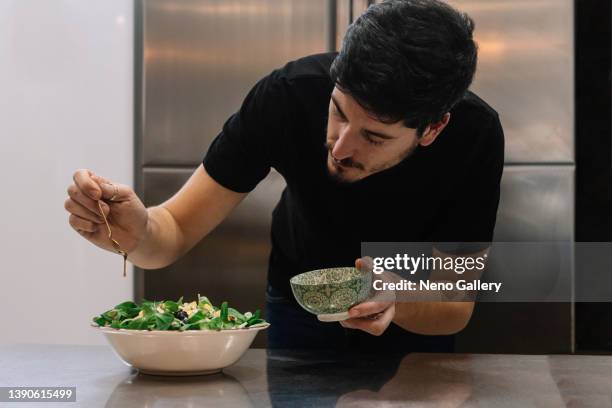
374	315
77	209
115	192
81	224
376	326
368	308
85	183
75	194
365	264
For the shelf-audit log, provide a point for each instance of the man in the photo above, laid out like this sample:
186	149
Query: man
381	142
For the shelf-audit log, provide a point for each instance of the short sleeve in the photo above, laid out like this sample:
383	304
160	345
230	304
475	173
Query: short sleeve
470	215
243	152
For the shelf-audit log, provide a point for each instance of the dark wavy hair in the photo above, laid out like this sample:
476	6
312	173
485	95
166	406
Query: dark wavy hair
407	60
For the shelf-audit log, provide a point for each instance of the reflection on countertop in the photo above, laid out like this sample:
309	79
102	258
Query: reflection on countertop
141	390
320	379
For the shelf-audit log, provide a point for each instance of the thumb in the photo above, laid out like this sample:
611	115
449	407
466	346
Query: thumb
364	264
115	192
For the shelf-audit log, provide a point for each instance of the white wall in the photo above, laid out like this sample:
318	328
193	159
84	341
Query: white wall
65	103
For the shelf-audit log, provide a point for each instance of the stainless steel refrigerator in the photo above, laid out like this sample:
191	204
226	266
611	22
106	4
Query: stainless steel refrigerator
197	59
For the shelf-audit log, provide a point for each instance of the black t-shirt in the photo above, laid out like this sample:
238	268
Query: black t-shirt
445	192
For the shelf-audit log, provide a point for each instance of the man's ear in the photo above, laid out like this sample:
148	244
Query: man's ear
432	131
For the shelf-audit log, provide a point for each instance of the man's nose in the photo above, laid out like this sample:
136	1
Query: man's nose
345	146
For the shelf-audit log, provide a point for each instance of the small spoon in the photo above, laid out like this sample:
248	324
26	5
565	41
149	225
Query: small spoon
118	248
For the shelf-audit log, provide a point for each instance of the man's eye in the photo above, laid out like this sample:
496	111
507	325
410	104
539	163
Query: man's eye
374	142
338	114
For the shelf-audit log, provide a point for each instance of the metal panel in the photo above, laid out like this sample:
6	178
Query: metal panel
202	56
230	263
526	73
536	205
347	11
343	19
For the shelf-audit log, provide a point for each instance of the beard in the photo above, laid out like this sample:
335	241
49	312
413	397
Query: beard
347	171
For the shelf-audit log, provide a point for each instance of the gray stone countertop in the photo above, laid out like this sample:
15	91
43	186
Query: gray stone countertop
295	378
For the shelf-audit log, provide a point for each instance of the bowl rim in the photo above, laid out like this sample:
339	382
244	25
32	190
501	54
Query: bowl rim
108	329
362	273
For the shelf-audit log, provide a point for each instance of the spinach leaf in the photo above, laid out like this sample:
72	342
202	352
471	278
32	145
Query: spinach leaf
202	301
254	318
256	322
223	315
215	324
128	309
156	319
196	317
171	306
163	321
139	324
238	317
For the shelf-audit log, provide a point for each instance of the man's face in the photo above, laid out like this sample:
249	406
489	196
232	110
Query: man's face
359	145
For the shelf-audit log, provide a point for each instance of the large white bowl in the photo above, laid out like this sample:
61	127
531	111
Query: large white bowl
191	352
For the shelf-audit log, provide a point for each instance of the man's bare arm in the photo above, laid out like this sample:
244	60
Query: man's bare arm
443	317
177	225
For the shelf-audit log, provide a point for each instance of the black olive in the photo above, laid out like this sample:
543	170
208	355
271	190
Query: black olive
181	315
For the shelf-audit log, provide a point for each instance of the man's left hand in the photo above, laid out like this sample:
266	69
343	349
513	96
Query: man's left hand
375	314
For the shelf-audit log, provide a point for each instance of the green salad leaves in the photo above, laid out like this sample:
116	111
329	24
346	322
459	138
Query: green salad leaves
169	315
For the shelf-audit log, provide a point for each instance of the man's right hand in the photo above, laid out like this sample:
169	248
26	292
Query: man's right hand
125	213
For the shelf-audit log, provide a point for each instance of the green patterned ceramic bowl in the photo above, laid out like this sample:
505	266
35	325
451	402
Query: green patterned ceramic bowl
329	293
